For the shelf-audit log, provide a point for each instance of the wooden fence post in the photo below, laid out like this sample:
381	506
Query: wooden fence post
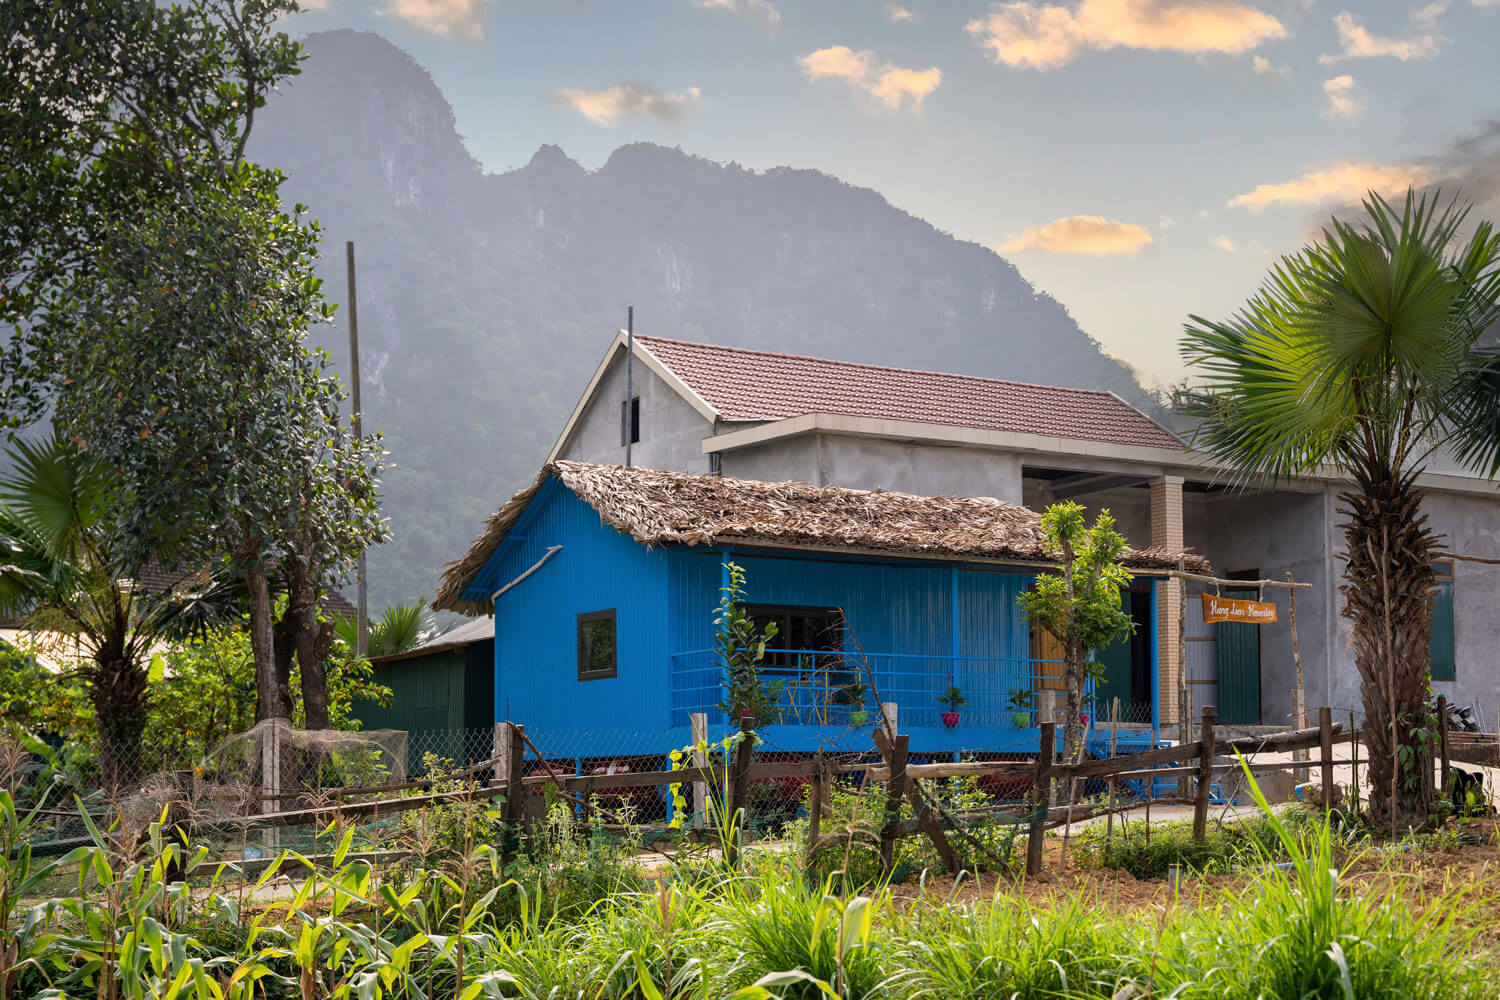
739	785
815	796
1442	723
515	789
1114	743
1205	771
1041	797
895	791
1325	745
699	757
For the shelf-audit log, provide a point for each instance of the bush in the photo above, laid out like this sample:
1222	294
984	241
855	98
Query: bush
858	816
1223	848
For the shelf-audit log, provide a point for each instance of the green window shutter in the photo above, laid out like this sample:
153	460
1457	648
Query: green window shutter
1444	657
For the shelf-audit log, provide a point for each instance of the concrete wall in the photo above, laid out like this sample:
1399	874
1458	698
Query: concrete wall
1275	533
874	463
786	460
672	432
1470	525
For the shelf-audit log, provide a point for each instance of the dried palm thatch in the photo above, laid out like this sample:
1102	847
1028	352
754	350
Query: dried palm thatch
676	508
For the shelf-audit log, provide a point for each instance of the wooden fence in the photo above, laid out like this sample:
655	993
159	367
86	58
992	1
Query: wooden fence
1187	771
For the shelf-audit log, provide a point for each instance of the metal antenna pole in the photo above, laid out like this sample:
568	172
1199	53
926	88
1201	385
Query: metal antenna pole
629	381
362	622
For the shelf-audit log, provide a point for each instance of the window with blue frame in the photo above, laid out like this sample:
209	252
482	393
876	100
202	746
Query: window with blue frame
1444	648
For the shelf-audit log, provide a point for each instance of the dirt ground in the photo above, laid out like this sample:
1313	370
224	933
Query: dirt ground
1417	876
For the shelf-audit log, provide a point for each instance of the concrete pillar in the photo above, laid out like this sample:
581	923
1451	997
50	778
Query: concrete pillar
1166	532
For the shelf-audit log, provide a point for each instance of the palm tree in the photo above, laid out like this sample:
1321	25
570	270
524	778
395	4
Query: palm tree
58	570
1361	353
401	628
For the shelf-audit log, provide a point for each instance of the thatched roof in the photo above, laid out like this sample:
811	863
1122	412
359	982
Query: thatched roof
677	508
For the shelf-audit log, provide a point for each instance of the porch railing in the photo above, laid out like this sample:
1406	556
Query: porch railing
813	686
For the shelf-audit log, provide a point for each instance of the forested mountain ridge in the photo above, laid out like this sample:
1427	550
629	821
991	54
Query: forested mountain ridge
486	300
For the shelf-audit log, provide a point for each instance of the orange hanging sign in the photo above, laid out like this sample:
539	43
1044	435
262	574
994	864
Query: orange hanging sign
1233	609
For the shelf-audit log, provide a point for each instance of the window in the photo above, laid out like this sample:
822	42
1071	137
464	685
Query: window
1444	650
630	421
596	645
798	632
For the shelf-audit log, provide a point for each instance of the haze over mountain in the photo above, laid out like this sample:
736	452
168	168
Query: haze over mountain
486	300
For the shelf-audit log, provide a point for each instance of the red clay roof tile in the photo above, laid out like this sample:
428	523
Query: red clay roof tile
746	385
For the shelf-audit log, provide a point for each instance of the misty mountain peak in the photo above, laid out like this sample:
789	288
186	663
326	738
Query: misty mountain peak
550	159
488	298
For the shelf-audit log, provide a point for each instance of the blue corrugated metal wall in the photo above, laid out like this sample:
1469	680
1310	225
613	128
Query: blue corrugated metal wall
536	665
921	623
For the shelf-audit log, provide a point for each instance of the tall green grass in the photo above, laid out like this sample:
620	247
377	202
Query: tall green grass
752	931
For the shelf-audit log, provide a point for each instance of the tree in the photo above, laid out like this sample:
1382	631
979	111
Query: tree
59	570
1362	353
1080	604
161	299
740	647
400	628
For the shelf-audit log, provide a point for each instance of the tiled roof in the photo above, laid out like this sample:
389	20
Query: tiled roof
745	385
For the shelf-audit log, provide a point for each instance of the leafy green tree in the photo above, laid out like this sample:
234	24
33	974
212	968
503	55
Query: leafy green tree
59	570
162	301
1080	604
740	647
1362	353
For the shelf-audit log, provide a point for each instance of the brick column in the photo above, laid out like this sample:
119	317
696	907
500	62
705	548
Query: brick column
1166	531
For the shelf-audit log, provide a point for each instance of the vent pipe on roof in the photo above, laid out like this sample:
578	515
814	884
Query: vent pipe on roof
629	380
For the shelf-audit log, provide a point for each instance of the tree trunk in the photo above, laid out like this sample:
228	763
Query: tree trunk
314	640
1073	678
284	646
268	703
1388	594
118	688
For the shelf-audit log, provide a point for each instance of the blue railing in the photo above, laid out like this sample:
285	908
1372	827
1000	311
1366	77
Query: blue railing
813	686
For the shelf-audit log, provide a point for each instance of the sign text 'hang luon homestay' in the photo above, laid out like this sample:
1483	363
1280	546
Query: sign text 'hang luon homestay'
1232	609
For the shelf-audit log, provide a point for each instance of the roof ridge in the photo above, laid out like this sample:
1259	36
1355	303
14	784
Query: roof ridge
883	368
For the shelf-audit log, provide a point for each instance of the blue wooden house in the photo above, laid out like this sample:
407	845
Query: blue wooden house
603	581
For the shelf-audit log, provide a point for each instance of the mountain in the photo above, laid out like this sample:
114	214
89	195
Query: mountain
485	300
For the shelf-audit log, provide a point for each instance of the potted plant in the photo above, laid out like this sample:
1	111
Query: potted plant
954	699
1020	707
854	694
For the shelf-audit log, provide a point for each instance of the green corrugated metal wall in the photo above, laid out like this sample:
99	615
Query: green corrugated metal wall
446	691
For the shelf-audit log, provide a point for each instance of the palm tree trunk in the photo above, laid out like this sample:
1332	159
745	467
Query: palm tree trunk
118	689
1388	597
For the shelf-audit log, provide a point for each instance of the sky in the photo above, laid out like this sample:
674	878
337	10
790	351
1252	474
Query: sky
1140	160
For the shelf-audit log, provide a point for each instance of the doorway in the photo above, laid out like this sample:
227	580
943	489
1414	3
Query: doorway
1237	660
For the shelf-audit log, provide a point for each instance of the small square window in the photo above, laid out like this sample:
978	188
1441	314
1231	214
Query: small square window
596	645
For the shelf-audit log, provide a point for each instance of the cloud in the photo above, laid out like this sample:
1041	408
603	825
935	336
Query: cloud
1357	43
1344	182
1083	234
449	18
896	14
1264	67
1041	36
887	84
761	13
1228	245
1342	102
607	106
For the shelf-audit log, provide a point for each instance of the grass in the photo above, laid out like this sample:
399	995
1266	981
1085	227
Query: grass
754	931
